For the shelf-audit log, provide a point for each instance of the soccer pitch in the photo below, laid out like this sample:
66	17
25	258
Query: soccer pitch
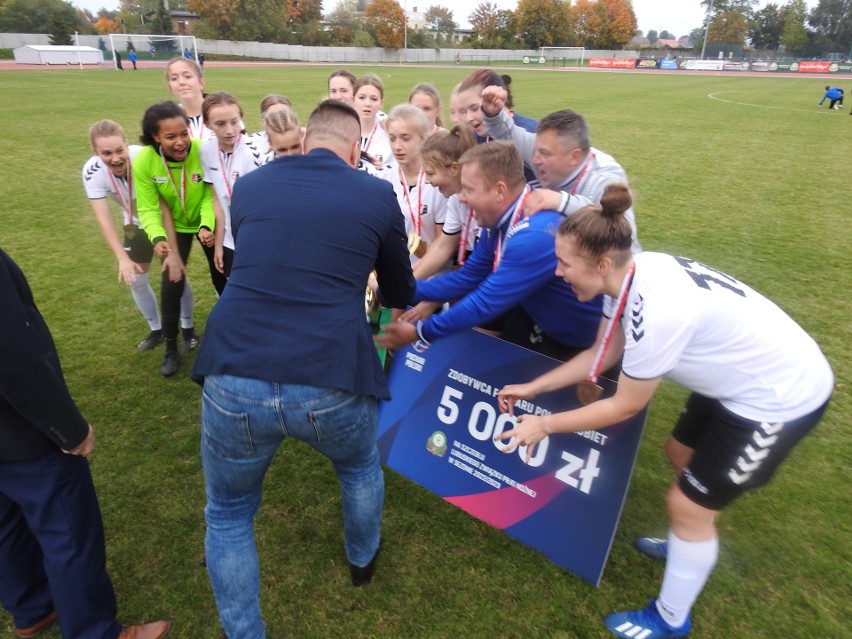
746	174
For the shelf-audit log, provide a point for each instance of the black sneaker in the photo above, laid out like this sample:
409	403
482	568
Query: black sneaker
190	339
152	340
171	363
363	575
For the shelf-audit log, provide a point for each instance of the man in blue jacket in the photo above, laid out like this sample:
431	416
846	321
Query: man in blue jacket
288	349
52	555
511	271
835	94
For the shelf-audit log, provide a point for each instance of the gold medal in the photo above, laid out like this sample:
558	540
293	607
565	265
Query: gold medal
130	231
588	392
413	243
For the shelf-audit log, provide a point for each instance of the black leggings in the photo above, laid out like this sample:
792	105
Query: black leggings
171	292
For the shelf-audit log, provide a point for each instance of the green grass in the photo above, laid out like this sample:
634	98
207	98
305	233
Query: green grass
760	190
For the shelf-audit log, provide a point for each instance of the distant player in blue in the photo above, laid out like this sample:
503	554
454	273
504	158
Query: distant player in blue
835	94
511	271
133	57
187	53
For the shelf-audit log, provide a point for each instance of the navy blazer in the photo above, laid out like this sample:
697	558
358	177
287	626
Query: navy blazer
308	230
37	413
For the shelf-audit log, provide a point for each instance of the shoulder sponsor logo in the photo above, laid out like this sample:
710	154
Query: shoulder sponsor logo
159	179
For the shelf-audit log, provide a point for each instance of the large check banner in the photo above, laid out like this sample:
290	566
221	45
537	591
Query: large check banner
439	428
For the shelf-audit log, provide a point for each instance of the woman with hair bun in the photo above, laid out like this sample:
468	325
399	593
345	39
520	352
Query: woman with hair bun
759	384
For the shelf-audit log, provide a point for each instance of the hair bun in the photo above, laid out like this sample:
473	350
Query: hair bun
616	199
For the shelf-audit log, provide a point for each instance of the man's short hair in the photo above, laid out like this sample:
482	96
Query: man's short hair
498	160
334	122
570	126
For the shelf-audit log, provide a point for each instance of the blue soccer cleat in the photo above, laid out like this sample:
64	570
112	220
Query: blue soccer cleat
653	547
644	624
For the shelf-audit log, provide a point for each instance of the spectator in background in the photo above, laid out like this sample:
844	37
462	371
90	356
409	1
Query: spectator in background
52	554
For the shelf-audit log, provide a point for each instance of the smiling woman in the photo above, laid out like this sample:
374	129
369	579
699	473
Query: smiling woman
168	170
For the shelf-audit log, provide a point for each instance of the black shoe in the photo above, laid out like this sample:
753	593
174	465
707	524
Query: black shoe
190	339
171	362
361	576
152	340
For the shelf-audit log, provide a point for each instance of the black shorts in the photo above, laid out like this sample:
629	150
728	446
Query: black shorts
732	454
139	249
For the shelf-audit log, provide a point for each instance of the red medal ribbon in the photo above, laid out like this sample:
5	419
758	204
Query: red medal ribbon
126	205
464	236
519	211
582	173
182	193
226	170
415	215
621	301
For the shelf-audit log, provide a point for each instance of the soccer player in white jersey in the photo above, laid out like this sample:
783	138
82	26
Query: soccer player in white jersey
441	153
283	134
759	384
270	104
108	173
186	82
224	158
369	98
421	203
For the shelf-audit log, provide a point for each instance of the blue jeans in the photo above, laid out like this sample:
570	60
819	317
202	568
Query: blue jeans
242	423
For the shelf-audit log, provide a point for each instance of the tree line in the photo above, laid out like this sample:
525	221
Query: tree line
595	24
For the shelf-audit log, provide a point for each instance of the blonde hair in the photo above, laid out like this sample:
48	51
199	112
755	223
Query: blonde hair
409	114
105	129
196	69
446	147
281	121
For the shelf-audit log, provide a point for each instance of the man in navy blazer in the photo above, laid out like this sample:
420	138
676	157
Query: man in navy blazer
52	555
288	349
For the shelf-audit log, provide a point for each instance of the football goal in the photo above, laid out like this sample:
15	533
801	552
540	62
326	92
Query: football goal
151	46
564	56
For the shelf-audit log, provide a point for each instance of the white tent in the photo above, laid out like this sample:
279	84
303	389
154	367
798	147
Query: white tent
57	54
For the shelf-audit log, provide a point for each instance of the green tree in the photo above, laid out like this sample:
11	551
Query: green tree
542	23
729	27
795	36
717	7
652	36
485	21
439	21
765	27
161	23
667	35
343	23
39	16
831	21
386	20
60	26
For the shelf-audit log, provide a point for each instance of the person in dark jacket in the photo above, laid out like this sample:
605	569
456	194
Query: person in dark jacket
288	349
52	554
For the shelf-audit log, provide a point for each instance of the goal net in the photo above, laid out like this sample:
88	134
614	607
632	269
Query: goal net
151	46
564	56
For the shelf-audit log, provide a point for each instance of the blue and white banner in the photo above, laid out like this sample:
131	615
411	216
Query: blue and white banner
439	428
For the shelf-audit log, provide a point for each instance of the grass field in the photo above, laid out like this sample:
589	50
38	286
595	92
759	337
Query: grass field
754	182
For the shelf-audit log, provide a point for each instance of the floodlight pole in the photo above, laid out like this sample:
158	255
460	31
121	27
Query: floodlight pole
405	33
707	30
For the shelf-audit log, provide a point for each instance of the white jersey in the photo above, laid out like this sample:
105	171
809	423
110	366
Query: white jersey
260	141
100	182
460	221
223	169
422	204
714	335
377	144
197	129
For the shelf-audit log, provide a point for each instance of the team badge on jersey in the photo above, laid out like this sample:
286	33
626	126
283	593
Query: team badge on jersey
197	178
